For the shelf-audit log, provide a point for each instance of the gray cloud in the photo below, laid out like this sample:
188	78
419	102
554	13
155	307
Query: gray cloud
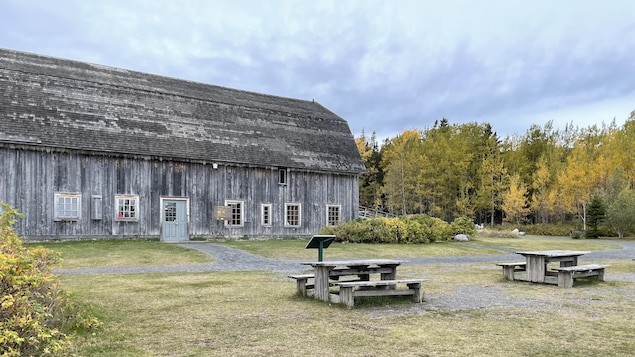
383	66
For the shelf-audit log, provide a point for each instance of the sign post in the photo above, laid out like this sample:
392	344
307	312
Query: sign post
320	242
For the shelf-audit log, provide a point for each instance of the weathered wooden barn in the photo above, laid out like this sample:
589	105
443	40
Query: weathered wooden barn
89	151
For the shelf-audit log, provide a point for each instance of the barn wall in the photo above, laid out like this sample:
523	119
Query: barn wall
31	178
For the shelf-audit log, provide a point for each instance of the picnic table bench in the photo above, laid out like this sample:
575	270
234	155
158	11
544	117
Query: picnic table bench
301	281
566	275
352	289
509	269
363	274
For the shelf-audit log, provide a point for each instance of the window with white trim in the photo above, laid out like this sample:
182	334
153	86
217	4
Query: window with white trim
127	208
265	214
237	218
68	206
292	214
333	215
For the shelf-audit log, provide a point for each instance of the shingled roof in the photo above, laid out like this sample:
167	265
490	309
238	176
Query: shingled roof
57	103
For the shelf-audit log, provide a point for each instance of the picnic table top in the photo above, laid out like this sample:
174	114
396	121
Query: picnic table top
553	253
355	262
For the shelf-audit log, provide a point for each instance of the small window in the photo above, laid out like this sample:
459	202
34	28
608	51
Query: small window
266	215
67	206
282	176
237	217
332	215
293	213
127	208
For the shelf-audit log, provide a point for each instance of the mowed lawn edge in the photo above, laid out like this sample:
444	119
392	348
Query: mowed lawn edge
122	253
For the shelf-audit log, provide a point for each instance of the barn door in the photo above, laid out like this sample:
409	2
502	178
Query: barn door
174	218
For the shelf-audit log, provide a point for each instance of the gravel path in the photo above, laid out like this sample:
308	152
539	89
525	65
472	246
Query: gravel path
464	297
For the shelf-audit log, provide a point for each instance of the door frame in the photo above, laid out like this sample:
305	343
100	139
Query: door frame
187	213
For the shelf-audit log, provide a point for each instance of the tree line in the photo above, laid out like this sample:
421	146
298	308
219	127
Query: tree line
543	176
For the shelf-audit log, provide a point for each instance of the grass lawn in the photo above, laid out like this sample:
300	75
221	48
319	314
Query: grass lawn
258	313
545	243
117	253
293	249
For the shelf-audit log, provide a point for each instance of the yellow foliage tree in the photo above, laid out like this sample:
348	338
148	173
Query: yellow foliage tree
370	181
586	170
514	200
401	162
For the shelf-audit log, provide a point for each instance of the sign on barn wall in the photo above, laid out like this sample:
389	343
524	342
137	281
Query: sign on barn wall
222	213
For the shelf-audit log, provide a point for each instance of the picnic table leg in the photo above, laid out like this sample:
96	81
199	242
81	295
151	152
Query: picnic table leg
322	282
301	285
508	272
573	261
601	275
392	275
565	279
361	277
346	296
536	267
417	297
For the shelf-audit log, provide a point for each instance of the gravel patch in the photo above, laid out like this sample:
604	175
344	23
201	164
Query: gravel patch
467	297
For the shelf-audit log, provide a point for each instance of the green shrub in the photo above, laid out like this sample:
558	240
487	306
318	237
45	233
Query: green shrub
439	229
33	308
463	225
406	229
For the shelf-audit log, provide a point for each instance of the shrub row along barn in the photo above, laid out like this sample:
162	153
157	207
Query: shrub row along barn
89	151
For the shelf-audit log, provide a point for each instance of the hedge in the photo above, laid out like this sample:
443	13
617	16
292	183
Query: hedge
412	229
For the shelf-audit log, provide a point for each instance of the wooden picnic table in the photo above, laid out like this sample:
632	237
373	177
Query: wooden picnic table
363	268
536	263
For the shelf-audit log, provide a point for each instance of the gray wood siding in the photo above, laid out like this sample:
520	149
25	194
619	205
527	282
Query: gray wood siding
31	178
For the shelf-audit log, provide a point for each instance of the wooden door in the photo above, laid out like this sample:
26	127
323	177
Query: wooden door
174	226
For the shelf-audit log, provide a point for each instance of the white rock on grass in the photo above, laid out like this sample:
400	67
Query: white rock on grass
461	237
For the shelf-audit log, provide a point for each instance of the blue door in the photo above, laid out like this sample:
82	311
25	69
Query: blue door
174	221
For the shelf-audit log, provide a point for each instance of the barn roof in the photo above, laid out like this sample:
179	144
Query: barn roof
58	103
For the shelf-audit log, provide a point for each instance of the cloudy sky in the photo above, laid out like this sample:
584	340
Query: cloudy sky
384	66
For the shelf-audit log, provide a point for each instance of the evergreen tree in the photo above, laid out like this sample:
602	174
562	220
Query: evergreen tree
595	215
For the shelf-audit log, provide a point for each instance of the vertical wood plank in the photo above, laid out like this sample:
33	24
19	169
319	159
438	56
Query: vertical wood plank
322	282
347	296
